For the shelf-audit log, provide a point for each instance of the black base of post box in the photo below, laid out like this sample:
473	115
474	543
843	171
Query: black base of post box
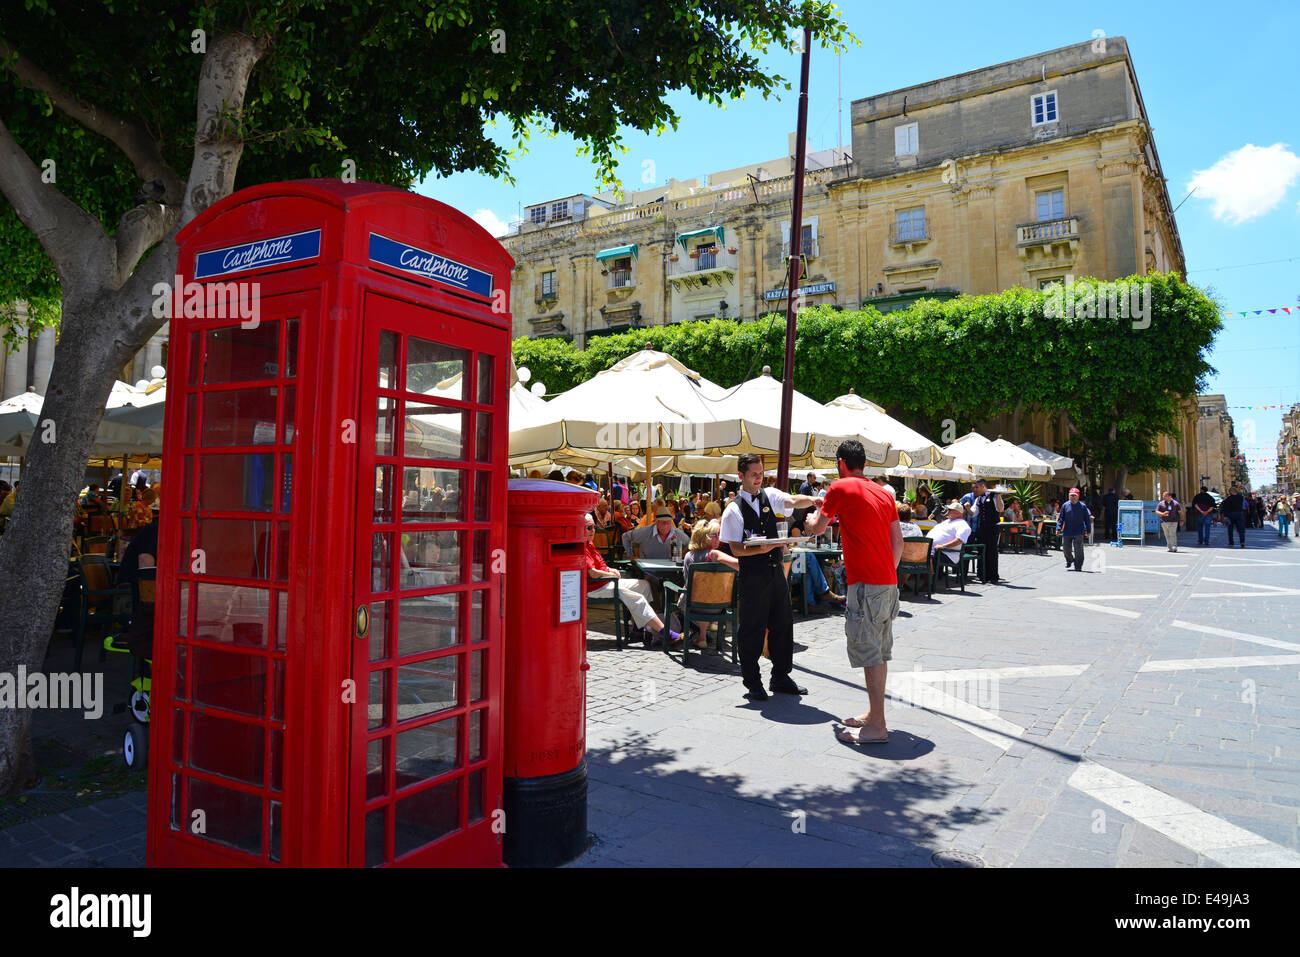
546	818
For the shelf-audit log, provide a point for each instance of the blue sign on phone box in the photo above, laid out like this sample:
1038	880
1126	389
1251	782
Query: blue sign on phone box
429	265
277	251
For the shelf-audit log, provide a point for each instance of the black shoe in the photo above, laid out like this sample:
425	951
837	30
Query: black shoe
756	694
786	686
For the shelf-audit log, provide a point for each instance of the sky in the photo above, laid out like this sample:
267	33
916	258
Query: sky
1217	88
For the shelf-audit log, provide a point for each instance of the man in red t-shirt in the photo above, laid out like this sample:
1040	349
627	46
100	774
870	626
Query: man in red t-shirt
873	546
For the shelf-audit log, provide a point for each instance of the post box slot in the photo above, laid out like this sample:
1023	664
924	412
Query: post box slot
562	549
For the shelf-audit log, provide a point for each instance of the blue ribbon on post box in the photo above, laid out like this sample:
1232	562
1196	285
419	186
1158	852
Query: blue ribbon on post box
427	265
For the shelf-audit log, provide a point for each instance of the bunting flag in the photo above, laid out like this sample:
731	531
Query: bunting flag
1247	313
1286	405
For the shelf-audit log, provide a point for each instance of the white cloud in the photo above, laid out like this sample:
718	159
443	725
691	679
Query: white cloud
1248	182
490	221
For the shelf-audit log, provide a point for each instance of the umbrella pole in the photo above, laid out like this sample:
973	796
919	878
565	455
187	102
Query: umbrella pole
796	262
649	481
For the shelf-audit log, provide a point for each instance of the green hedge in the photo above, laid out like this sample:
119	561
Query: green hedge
966	359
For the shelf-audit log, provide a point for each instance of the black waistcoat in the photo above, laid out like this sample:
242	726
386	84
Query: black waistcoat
763	525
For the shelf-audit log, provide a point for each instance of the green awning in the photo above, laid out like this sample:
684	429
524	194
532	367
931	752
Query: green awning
618	252
708	231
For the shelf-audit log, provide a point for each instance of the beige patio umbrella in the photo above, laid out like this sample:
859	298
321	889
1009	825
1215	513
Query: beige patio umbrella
648	404
997	458
913	448
816	430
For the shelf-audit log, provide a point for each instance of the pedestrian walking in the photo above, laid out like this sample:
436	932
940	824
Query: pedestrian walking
1233	510
1072	525
1110	501
1283	511
1170	513
763	591
988	508
1204	506
873	547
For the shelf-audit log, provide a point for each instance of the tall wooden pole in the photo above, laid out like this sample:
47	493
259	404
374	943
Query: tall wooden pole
796	260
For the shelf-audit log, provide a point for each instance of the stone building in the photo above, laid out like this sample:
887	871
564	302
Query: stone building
1288	452
28	366
1216	442
1018	174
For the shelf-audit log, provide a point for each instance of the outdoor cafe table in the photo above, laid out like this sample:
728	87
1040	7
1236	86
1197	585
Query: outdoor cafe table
665	569
1009	534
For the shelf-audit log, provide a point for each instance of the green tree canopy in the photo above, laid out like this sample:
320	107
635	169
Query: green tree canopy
968	359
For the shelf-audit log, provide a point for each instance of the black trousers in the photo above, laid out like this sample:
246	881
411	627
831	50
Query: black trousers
764	607
990	570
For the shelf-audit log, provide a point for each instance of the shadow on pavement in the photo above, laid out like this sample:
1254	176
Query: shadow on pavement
715	817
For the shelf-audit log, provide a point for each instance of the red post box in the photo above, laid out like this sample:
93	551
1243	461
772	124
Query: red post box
545	789
328	638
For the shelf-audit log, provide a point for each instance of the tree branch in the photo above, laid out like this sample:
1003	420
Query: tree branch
74	240
137	230
130	136
223	83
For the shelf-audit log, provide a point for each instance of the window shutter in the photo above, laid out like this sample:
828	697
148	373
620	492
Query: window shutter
900	140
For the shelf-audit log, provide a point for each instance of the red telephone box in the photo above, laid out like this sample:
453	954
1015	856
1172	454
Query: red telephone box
327	655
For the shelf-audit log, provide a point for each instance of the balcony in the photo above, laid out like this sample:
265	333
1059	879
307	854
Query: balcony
910	235
716	265
1047	236
545	292
809	250
620	279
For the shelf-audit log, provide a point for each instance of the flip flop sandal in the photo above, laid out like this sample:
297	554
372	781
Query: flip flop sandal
849	738
853	723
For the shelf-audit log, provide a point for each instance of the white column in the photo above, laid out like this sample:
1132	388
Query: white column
16	365
152	357
45	341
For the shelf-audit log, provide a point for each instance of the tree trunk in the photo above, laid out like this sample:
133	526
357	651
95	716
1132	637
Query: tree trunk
35	547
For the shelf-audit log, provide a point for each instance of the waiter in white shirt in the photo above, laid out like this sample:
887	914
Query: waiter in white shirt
764	592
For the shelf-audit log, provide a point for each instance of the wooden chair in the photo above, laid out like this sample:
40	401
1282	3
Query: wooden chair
945	568
102	603
1032	534
917	560
95	545
709	597
972	552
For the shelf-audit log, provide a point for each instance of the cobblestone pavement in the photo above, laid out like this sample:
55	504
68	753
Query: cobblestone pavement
1143	713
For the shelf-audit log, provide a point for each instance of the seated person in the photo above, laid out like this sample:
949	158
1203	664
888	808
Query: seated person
919	512
656	541
905	524
1036	512
951	534
704	548
633	593
1013	513
621	522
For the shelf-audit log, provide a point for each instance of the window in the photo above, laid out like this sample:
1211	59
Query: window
807	236
1050	204
905	143
1054	281
909	224
560	210
708	258
537	215
620	273
1044	108
807	241
548	285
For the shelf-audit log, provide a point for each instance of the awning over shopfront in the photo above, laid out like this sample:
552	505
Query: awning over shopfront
696	233
618	252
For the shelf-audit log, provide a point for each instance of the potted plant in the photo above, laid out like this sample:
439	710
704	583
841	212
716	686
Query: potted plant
673	258
732	250
604	272
695	254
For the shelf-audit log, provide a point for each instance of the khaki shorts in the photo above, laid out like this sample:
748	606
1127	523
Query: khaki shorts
869	617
